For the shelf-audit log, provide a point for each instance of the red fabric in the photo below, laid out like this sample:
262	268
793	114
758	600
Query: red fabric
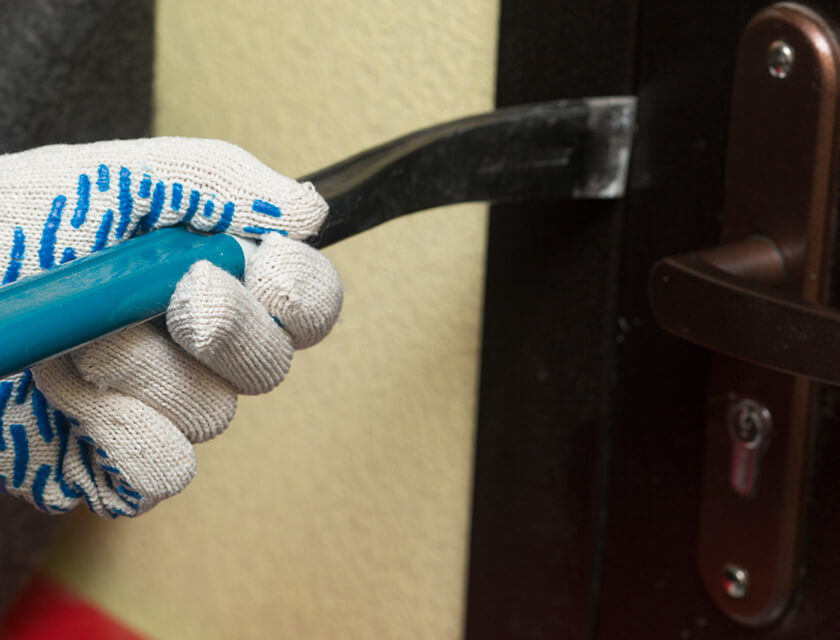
47	611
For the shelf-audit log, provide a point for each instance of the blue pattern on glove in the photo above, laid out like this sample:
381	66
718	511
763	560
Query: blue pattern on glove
102	239
16	258
48	426
82	201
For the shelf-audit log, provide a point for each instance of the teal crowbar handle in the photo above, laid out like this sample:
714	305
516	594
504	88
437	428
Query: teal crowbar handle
564	149
54	311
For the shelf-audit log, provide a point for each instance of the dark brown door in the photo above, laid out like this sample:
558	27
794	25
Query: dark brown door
592	419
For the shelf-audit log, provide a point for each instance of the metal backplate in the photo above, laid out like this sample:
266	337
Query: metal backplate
780	184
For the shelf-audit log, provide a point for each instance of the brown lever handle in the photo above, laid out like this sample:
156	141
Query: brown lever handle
726	300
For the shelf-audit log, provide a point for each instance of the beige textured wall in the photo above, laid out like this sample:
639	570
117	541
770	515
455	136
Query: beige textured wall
338	505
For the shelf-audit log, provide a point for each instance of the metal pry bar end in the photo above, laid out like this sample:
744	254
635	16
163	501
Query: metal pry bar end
549	150
612	121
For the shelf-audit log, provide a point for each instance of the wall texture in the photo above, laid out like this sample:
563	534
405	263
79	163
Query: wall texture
338	505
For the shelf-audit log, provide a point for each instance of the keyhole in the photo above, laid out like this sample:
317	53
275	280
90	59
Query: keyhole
750	424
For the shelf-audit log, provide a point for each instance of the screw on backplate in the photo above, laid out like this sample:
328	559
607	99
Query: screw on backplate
779	59
735	581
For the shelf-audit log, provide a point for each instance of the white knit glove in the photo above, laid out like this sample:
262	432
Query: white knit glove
113	422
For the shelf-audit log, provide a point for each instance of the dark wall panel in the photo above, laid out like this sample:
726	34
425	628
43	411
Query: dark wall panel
548	345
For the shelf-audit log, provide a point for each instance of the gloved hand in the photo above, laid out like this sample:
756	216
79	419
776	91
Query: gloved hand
113	422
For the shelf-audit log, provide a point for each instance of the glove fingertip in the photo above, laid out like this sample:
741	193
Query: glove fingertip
217	321
299	286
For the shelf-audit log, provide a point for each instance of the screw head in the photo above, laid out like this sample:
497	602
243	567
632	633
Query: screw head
749	422
779	59
735	581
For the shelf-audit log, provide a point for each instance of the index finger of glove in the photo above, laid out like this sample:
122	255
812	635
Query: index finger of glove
139	185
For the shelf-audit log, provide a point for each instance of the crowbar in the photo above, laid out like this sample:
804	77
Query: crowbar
552	150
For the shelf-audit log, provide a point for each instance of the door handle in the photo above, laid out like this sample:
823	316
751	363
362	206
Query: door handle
759	302
731	300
